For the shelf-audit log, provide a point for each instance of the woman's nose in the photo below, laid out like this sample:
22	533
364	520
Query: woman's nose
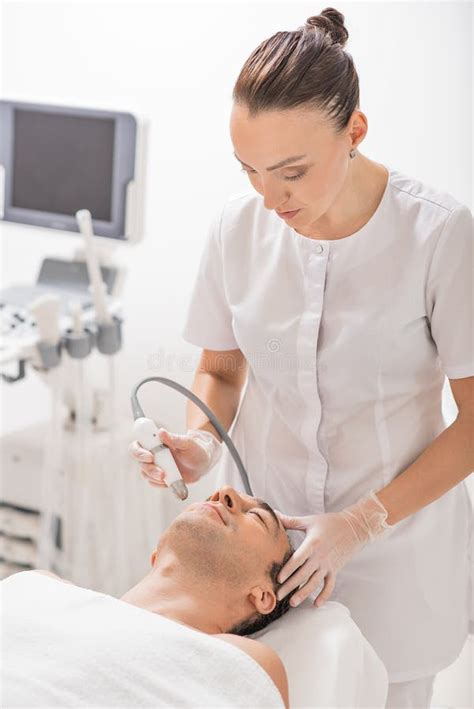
273	197
271	200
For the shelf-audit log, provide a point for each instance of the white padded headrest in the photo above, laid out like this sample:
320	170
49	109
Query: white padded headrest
328	660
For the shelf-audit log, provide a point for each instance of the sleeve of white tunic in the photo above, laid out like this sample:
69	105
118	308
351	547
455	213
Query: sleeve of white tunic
450	295
209	319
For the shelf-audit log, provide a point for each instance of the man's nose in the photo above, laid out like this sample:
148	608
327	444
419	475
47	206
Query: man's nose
230	498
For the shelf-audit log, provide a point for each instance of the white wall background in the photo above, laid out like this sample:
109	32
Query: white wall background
173	65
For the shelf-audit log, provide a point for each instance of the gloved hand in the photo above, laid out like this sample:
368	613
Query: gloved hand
331	540
194	453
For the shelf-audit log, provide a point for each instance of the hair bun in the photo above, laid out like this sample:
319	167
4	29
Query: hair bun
330	21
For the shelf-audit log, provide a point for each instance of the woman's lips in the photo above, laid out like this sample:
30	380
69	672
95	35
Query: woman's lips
288	215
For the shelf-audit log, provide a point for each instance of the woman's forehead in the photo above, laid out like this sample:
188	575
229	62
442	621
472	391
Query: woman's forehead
278	120
271	137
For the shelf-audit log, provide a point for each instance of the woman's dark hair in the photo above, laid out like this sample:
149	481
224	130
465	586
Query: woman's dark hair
259	621
307	67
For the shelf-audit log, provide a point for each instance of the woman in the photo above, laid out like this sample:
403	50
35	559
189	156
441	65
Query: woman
339	292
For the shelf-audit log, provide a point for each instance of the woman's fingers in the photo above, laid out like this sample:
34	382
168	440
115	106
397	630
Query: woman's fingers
299	577
155	478
155	483
295	561
153	474
139	453
177	441
292	583
145	458
292	522
151	469
330	582
312	583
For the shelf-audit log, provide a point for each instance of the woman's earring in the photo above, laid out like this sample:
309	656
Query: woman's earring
352	154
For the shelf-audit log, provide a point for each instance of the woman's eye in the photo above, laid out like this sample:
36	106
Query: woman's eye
296	177
290	178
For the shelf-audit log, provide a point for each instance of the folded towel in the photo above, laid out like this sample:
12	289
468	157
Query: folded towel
64	645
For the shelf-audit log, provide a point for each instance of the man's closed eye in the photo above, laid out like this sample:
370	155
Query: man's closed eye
257	514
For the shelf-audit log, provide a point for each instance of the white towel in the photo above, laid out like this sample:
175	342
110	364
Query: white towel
67	646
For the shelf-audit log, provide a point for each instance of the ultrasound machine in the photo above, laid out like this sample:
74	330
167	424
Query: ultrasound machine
63	169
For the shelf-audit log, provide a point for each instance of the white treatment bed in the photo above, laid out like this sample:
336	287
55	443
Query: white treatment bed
328	661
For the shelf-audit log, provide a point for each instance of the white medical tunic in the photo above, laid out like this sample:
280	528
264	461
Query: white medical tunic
348	343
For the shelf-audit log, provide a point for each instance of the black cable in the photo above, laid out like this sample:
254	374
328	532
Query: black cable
138	413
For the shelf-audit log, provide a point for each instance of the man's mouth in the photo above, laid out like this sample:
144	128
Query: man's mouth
216	510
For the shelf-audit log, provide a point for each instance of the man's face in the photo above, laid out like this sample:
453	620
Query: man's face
231	539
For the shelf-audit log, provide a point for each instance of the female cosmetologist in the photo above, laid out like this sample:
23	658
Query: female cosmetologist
338	289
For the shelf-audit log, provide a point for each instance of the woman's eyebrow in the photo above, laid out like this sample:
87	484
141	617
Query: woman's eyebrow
282	163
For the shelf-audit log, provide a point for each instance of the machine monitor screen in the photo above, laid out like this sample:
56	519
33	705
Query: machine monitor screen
42	174
59	160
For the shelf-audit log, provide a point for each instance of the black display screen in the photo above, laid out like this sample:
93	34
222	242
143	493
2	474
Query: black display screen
63	163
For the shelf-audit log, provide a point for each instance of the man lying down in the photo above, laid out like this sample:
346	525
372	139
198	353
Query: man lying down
176	639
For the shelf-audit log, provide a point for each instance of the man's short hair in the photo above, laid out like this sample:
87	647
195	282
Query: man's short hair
259	621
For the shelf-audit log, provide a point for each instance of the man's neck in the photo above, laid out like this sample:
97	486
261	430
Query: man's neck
178	599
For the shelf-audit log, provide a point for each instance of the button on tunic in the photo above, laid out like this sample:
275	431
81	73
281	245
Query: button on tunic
348	343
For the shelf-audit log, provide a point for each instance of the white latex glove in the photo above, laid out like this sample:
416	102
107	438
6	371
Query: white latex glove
194	453
331	540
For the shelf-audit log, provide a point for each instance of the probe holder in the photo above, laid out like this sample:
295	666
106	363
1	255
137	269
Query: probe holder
109	336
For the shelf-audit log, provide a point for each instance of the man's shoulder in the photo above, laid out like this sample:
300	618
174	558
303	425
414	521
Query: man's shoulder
44	572
266	657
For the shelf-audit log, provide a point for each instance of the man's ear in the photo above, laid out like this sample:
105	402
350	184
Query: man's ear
263	600
153	557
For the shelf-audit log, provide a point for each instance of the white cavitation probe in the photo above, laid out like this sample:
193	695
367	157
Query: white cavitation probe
147	434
